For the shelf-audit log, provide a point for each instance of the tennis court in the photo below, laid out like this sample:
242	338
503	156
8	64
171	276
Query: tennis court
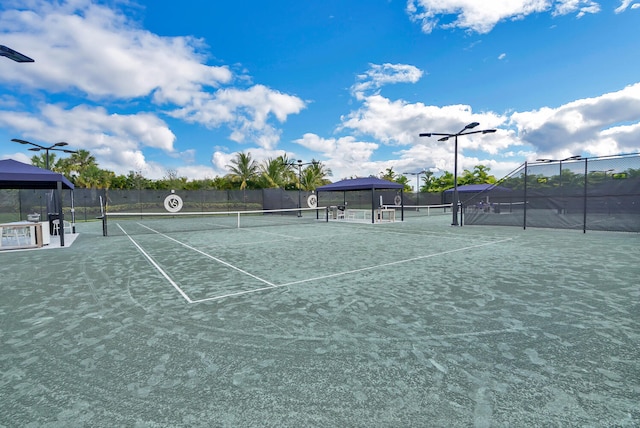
413	323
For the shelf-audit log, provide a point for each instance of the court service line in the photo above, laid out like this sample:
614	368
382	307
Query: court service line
397	262
162	272
229	265
333	275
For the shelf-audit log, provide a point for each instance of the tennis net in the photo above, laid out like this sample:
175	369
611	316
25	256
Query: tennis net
426	210
129	223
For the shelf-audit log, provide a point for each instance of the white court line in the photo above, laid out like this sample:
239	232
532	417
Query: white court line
211	257
162	272
397	262
281	235
333	275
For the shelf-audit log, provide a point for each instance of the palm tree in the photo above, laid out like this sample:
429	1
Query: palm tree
40	161
314	175
277	172
79	164
243	169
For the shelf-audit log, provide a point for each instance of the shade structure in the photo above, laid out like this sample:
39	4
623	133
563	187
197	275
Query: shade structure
18	175
364	183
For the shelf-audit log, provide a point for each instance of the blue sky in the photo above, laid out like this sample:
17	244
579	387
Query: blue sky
159	86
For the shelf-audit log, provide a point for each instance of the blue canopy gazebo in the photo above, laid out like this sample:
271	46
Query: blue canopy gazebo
366	183
18	175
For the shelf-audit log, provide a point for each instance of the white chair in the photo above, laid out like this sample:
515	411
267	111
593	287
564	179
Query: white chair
65	224
14	235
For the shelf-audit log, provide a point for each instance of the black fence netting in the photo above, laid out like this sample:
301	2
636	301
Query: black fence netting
585	194
88	204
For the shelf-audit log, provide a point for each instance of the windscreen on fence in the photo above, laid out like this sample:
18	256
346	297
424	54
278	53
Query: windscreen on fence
583	194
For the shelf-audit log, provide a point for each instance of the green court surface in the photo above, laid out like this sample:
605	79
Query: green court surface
334	324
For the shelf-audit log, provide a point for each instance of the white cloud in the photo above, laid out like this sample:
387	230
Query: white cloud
385	74
598	126
95	50
624	5
482	16
592	126
399	122
345	156
96	53
115	140
246	112
502	56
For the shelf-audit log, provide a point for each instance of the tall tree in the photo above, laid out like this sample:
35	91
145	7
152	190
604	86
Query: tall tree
427	181
390	175
243	169
276	172
40	160
78	165
314	176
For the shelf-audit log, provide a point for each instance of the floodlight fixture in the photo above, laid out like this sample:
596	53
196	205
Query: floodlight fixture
14	55
445	137
38	147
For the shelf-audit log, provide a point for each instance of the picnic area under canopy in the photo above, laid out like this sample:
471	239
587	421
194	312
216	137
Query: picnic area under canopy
367	183
18	175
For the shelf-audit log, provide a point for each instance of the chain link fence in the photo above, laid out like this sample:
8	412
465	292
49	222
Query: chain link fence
585	194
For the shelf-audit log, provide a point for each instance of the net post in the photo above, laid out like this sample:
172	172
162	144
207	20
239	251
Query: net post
238	219
103	217
104	225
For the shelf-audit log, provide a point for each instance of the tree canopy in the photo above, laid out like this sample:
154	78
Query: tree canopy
245	172
433	184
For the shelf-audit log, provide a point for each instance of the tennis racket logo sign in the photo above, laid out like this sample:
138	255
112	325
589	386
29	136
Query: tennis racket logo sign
173	203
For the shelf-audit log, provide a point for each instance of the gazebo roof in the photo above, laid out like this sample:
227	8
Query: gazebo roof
362	183
18	175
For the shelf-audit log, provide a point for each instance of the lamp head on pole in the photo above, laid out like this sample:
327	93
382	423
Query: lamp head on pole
472	125
14	55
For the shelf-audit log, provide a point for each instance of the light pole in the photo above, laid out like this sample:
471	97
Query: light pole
576	157
300	164
417	174
445	137
16	56
38	147
53	147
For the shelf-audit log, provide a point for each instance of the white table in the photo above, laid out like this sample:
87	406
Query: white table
391	214
21	234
